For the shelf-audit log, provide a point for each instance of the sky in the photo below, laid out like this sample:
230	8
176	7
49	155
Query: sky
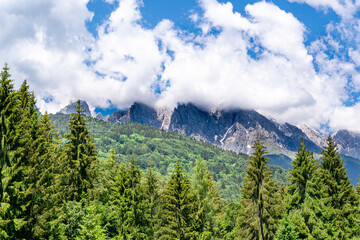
297	61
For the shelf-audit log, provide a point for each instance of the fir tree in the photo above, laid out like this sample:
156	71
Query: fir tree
209	200
131	205
108	169
8	119
337	193
20	177
153	197
45	169
286	231
80	165
179	207
303	169
261	208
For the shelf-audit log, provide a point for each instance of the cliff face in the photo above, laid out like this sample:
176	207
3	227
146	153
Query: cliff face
237	130
348	142
71	108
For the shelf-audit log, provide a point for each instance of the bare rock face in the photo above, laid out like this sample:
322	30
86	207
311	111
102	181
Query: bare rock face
237	130
99	116
348	142
313	135
141	113
71	108
164	116
118	117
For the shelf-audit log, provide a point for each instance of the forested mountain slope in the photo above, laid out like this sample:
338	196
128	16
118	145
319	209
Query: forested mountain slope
163	148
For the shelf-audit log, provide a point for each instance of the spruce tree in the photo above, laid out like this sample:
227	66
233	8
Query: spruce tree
20	177
130	203
80	165
8	120
209	201
153	198
261	209
286	230
301	201
333	187
303	169
179	207
45	169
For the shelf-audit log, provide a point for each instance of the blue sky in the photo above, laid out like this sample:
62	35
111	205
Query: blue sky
297	61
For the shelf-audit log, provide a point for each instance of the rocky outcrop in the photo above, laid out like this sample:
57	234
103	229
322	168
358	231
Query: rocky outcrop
99	116
348	142
71	108
141	113
236	130
313	135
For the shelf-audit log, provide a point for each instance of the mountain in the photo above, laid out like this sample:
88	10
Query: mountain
348	142
71	108
163	148
140	113
313	135
236	130
233	130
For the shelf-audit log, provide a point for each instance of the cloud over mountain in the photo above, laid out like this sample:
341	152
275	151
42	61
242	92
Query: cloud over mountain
258	59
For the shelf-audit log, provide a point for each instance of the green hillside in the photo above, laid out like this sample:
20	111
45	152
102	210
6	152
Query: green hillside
162	148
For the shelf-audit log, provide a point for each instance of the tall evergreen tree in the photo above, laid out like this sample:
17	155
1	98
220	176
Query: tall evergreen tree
179	207
334	188
261	206
303	169
209	201
130	203
45	169
80	165
153	197
108	169
20	178
8	119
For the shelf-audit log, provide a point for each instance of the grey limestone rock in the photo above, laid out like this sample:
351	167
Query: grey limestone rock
71	108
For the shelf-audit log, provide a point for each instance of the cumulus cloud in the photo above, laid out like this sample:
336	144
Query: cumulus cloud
258	60
344	8
45	42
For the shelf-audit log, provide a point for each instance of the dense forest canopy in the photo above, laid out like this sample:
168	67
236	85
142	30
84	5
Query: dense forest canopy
151	184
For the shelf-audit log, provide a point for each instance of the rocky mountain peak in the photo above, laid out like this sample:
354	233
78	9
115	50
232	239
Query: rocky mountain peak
313	135
71	108
348	142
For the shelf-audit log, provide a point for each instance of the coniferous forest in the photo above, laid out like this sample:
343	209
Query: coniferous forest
58	186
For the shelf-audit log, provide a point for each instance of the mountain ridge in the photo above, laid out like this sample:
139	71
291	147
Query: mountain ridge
235	129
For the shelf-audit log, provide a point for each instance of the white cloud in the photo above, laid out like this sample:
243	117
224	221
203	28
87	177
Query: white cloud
344	8
44	42
258	60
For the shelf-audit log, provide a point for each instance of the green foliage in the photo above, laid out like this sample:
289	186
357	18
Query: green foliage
210	205
53	187
286	231
260	200
131	205
179	208
333	188
227	221
162	148
303	169
80	165
151	187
